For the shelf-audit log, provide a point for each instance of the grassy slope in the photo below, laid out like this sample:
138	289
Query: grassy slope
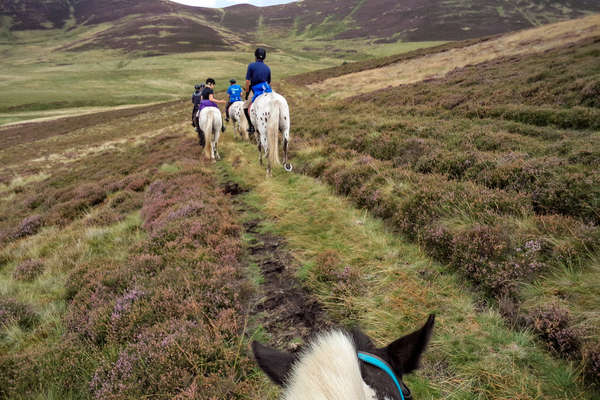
493	170
473	354
408	164
99	300
363	273
42	78
438	64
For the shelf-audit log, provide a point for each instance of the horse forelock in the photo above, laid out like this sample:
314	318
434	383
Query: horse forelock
328	370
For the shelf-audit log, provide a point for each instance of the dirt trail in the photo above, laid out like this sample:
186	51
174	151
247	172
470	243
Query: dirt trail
287	312
439	64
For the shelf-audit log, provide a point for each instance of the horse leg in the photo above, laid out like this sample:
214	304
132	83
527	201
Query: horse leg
260	153
269	163
217	156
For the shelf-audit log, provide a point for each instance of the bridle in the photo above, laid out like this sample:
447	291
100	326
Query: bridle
385	367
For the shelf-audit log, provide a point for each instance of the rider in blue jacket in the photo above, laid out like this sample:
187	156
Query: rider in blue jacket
235	94
258	78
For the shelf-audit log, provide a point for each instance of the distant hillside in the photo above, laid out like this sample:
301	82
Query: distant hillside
170	27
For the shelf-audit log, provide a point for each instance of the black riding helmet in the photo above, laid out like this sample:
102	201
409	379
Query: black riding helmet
232	81
260	53
197	87
210	80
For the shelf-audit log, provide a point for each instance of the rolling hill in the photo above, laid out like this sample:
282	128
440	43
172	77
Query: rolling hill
169	27
131	268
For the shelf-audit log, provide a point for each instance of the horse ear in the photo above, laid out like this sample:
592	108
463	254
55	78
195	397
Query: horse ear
405	353
276	364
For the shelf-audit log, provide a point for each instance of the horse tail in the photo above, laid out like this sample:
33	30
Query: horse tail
208	134
273	134
243	124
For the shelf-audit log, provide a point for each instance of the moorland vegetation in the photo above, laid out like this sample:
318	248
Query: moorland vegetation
125	269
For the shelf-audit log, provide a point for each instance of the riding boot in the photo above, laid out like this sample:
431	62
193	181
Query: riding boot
250	126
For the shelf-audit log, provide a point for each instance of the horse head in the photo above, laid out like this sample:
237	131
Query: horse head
346	365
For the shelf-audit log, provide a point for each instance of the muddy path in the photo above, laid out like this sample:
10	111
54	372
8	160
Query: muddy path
281	306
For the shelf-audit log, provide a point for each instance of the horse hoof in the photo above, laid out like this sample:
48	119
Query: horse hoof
288	167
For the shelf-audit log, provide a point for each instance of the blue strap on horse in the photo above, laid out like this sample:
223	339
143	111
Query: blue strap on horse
382	365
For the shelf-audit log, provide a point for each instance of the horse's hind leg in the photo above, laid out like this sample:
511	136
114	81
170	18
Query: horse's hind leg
216	147
260	153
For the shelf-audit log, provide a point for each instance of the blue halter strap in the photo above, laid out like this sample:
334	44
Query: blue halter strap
379	363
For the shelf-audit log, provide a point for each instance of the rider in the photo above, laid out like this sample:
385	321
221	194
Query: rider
196	101
235	94
208	97
258	78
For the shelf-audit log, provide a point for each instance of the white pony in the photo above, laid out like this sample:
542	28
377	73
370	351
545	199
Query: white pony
240	124
270	115
342	365
210	123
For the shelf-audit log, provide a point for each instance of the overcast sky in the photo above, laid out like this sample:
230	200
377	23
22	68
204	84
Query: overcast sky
226	3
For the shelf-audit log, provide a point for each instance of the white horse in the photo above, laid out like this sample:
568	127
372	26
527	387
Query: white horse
240	124
270	115
340	366
210	124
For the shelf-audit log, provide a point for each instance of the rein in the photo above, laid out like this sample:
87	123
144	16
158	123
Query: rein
382	365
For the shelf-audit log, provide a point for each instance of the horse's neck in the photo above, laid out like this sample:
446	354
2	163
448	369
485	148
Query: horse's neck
328	370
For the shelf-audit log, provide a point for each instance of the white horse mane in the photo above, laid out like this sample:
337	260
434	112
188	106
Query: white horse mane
328	370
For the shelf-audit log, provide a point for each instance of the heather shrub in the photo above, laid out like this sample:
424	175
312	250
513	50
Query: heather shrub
575	194
375	194
15	312
412	149
592	364
419	210
590	94
5	257
147	264
105	217
89	314
572	118
28	270
518	174
552	325
569	241
137	182
63	368
341	278
169	358
452	164
28	226
344	177
489	257
438	241
125	201
588	158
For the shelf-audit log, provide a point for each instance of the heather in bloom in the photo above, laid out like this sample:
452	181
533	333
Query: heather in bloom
29	226
28	270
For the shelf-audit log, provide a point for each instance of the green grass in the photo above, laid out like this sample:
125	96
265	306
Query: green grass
399	286
40	79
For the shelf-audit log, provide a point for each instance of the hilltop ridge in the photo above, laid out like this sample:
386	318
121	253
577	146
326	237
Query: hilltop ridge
195	28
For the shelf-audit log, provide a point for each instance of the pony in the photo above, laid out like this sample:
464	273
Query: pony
341	365
270	115
210	124
240	124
